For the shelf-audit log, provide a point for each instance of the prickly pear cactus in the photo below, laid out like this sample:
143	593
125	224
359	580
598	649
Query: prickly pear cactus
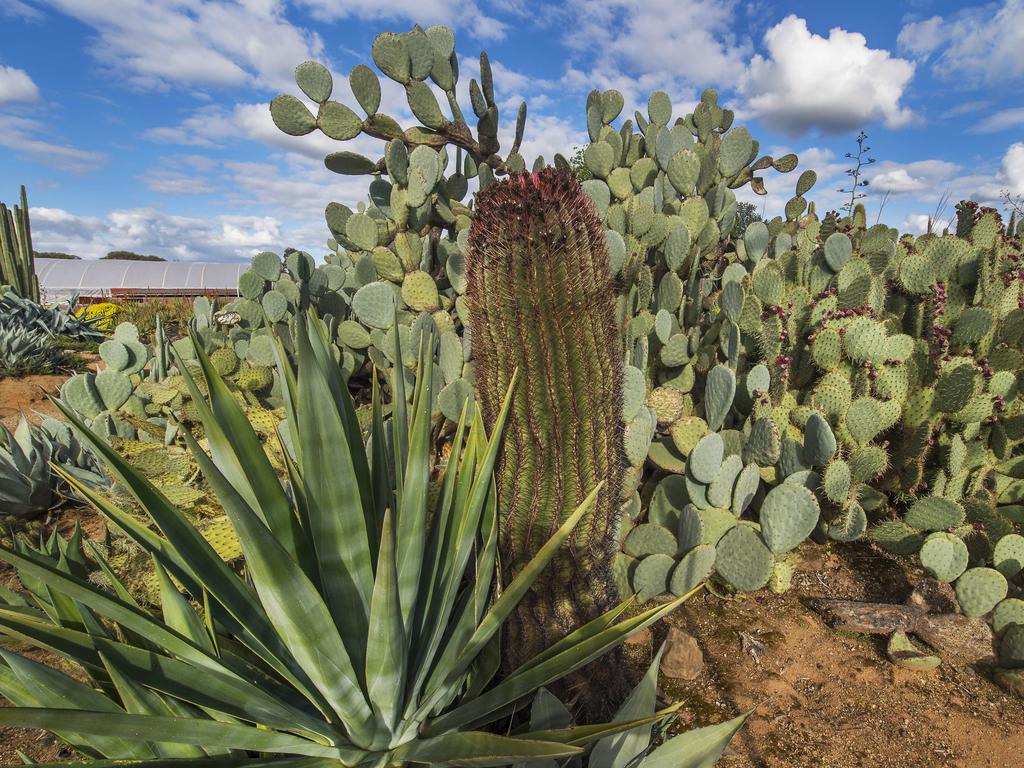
808	376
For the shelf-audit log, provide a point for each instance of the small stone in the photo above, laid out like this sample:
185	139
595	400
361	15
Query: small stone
643	637
683	658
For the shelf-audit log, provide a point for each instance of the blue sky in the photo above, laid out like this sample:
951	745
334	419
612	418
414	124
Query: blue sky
143	124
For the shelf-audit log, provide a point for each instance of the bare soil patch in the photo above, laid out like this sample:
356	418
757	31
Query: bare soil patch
28	395
831	699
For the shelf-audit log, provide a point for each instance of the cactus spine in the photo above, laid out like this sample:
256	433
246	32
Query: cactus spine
17	262
541	301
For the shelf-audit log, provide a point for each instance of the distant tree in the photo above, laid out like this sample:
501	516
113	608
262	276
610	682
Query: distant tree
579	169
55	255
745	214
131	256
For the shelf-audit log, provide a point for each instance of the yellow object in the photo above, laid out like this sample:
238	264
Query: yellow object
105	310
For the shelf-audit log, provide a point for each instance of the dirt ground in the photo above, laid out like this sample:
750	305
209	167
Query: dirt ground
831	699
28	395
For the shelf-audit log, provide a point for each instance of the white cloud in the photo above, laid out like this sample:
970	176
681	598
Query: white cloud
920	38
215	126
465	14
16	85
915	178
545	135
146	230
928	180
832	84
23	135
1012	168
639	46
1000	121
920	223
160	43
20	10
965	108
982	43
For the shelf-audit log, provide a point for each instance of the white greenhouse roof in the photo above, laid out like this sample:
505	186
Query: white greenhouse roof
103	278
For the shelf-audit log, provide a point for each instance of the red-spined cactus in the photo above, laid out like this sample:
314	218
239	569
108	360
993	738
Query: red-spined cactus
541	300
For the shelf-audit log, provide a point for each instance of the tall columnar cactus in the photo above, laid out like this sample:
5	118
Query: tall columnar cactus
541	301
17	263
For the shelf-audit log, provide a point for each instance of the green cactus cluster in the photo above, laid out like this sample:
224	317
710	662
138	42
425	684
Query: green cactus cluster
796	381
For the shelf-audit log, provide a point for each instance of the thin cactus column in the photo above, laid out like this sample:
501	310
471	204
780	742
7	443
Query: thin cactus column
541	300
17	261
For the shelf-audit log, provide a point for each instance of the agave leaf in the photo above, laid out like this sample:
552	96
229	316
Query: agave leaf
183	553
338	527
321	346
206	687
386	651
203	762
115	583
522	682
582	735
54	689
619	750
699	748
171	729
480	749
380	469
178	612
294	605
411	523
239	454
111	607
194	556
138	700
512	594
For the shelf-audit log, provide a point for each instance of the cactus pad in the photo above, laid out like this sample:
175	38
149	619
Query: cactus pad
374	305
944	556
904	653
705	459
743	560
692	569
1011	648
650	578
650	539
819	441
746	487
1009	612
979	590
668	501
763	446
934	513
687	432
850	524
1008	555
897	537
838	249
720	491
789	513
719	391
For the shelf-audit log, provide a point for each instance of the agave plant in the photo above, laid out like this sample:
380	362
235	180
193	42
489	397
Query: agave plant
27	486
25	350
364	630
56	320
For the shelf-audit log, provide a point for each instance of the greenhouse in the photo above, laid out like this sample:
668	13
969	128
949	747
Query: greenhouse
99	279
